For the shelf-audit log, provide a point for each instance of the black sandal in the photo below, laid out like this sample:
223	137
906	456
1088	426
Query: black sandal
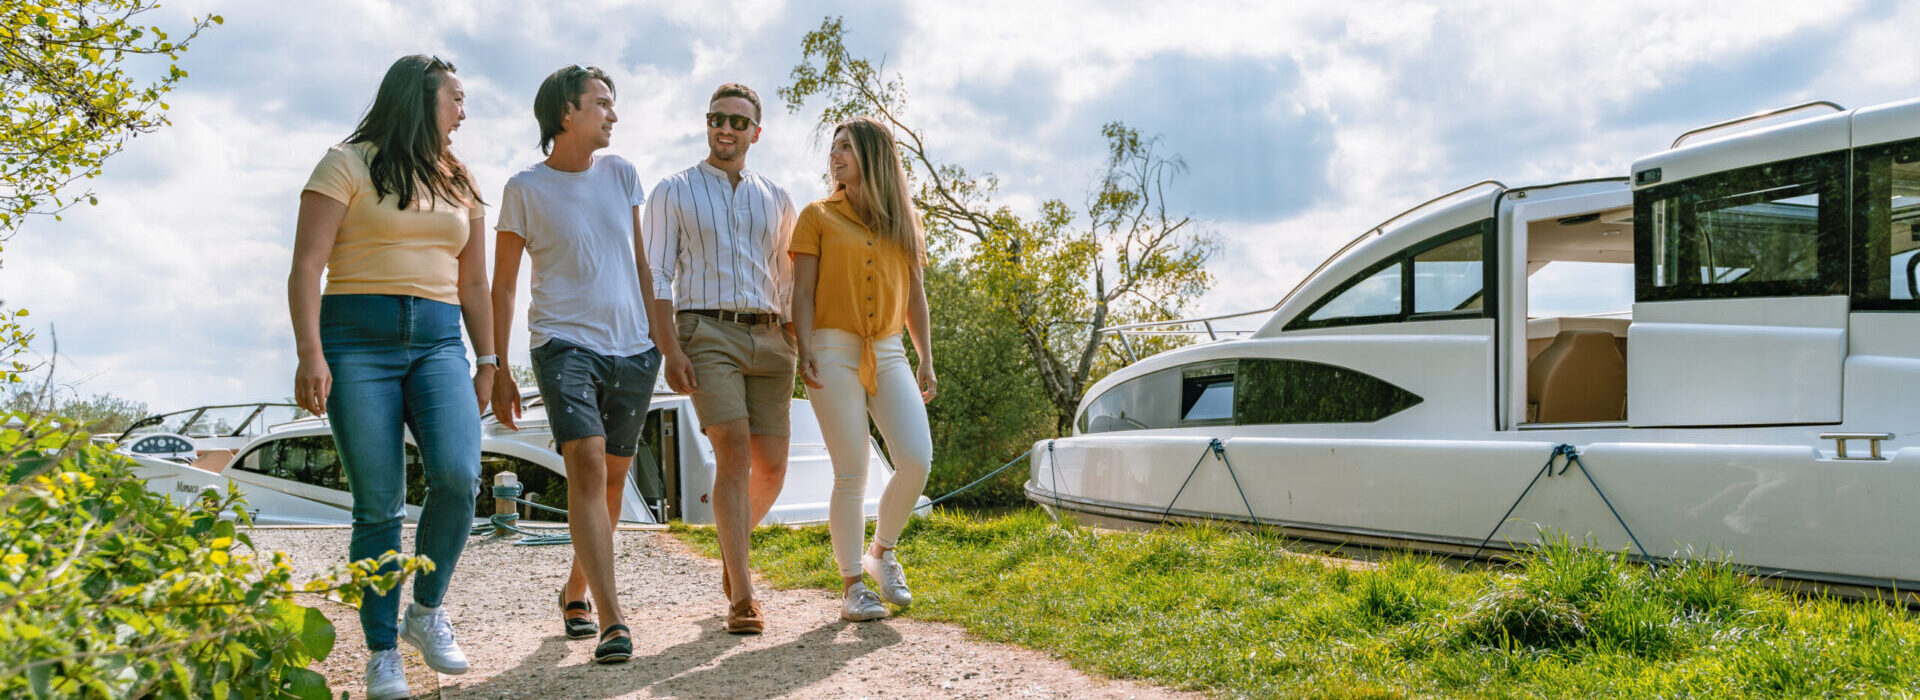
575	627
616	649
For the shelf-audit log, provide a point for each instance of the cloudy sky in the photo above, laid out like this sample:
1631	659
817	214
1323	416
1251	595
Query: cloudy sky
1303	123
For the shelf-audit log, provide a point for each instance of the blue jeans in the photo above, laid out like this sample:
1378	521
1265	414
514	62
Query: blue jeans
398	360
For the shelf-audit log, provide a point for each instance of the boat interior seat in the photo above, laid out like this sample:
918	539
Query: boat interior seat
1581	377
214	460
1542	331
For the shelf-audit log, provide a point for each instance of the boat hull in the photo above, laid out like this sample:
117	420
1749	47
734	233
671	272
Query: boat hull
1780	510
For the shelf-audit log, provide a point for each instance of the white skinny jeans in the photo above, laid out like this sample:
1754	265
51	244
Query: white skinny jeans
842	407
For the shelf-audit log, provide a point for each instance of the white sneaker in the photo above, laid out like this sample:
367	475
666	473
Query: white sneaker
860	604
893	581
386	677
427	629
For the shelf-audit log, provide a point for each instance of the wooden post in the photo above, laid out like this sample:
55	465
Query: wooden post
503	506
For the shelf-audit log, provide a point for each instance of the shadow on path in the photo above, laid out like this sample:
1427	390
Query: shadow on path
687	670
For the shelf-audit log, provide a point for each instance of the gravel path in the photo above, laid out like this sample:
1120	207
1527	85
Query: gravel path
502	605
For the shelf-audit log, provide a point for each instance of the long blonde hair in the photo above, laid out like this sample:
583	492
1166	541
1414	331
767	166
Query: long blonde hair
889	209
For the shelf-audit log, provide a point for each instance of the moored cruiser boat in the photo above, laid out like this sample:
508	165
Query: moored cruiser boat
289	469
1728	339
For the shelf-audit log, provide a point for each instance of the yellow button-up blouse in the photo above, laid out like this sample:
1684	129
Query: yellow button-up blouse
864	281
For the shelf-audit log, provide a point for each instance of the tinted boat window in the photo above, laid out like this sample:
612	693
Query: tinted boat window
1450	275
1886	190
308	460
1294	391
1245	392
1769	230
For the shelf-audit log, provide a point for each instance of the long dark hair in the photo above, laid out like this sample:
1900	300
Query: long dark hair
401	126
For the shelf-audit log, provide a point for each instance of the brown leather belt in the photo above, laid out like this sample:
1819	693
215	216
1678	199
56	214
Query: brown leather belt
747	317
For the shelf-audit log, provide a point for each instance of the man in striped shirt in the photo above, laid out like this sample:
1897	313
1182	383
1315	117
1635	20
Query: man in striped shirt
719	233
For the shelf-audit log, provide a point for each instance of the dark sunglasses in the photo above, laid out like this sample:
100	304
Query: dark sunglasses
738	121
436	63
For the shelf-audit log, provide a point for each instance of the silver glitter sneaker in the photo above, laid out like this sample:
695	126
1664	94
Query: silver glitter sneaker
860	604
893	581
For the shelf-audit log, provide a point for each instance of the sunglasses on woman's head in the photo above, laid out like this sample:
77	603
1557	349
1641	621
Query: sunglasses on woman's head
436	63
737	121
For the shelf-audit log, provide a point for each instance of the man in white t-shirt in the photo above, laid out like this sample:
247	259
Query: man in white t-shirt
577	215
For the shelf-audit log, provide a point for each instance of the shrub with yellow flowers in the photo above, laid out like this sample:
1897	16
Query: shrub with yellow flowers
110	590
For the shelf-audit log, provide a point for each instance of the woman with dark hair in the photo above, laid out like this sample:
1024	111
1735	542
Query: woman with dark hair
395	220
857	262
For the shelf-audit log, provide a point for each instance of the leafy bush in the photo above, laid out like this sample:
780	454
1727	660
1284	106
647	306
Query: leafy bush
110	590
991	407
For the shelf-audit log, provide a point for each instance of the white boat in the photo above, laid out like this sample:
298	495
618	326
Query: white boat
1728	339
289	469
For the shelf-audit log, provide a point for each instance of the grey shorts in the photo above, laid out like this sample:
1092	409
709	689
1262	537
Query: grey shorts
588	394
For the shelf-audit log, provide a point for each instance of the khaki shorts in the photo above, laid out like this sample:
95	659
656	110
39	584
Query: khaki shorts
744	371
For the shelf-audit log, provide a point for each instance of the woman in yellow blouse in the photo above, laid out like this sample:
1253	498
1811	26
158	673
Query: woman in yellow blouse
395	221
857	260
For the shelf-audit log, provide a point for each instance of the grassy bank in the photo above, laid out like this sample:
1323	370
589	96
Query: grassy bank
1231	613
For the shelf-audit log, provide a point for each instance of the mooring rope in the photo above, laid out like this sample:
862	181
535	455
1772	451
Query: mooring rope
1219	451
1572	460
508	522
977	482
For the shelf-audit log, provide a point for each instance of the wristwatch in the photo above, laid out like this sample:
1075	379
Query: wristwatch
487	360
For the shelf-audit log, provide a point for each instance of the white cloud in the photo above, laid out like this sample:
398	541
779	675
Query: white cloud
171	291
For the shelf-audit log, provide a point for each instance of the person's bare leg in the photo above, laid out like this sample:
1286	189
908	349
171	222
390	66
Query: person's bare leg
616	485
731	503
588	522
769	474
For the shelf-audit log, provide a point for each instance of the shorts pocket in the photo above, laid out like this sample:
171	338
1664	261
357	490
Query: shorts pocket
687	325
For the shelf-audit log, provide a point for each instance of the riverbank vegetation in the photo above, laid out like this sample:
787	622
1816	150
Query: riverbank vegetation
1241	614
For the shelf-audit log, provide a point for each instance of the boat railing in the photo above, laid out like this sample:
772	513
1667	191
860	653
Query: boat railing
1756	116
1206	322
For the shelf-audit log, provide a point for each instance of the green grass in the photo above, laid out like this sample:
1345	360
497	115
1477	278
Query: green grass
1235	613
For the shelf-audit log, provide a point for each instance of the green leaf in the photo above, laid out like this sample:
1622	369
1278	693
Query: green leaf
305	684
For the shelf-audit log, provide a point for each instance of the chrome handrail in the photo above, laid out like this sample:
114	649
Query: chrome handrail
1763	114
1375	230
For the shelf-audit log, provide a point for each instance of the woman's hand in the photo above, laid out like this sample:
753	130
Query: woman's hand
483	385
312	383
506	400
928	383
809	369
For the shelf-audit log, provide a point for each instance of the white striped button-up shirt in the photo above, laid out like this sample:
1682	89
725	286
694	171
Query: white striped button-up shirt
716	246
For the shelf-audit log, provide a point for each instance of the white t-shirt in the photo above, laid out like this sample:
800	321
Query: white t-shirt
579	232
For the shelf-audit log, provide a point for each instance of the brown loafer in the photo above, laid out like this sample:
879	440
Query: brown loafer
744	617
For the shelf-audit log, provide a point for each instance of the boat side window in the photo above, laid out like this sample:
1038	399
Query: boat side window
1886	211
1246	391
1147	401
1297	391
309	460
1449	277
1206	393
1778	229
1373	297
1444	276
